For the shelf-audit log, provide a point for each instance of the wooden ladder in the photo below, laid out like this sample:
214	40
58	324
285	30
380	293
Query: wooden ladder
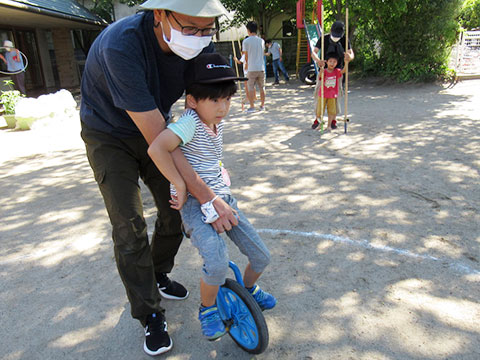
302	50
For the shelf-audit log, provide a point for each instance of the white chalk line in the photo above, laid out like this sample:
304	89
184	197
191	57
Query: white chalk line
464	269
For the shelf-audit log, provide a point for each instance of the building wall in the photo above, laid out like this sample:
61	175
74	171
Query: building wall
275	29
66	64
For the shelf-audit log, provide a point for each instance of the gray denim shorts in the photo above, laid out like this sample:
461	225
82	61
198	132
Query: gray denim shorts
212	247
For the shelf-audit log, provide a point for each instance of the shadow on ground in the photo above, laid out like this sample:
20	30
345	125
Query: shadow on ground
374	237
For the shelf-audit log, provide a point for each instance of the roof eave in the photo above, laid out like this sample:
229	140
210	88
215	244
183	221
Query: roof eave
48	12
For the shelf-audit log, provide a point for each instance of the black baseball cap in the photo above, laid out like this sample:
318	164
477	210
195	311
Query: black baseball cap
337	29
210	68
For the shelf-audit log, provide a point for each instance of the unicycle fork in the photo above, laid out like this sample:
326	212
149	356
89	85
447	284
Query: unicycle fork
241	314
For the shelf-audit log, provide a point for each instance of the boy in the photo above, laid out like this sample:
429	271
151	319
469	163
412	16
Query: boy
199	133
332	75
253	46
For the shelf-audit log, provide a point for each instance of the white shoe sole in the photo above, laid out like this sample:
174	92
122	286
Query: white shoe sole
171	297
159	351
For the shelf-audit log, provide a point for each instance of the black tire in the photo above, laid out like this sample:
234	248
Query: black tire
310	77
255	312
307	74
303	70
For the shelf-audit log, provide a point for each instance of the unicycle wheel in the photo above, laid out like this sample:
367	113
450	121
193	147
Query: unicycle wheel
243	317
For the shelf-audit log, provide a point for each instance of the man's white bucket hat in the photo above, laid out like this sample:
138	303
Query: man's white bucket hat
7	44
198	8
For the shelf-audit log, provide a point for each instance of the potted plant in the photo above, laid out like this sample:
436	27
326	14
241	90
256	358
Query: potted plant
8	99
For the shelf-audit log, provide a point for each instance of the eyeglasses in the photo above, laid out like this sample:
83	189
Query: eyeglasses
192	30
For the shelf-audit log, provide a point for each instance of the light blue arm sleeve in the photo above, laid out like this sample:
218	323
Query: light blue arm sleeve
184	128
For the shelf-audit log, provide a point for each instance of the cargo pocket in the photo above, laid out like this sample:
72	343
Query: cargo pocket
99	175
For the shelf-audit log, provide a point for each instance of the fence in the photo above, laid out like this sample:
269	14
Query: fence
467	64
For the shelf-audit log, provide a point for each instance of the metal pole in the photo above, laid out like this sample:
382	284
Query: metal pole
322	73
345	118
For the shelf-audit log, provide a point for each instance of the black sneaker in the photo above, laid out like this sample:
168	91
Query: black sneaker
334	124
171	289
315	124
157	340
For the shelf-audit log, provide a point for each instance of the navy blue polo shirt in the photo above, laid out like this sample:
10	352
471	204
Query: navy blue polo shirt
127	70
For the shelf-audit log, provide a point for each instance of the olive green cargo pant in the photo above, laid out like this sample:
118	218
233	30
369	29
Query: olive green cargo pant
117	166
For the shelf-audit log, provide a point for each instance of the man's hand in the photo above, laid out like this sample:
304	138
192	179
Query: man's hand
227	216
349	56
321	63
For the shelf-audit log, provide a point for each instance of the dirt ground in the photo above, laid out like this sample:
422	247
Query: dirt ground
374	234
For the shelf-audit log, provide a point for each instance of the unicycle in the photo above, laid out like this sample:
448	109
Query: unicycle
241	314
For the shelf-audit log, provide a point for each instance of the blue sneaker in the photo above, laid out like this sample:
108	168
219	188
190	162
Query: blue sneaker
264	299
212	325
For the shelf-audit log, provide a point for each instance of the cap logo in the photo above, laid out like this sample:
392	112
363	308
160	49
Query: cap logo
213	66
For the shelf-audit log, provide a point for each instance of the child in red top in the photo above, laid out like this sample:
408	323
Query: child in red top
332	76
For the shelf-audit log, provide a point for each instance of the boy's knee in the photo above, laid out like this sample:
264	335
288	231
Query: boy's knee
267	258
214	273
261	261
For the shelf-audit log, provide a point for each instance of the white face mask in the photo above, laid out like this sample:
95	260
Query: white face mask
335	39
187	47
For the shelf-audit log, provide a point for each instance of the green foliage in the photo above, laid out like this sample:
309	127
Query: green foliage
10	98
416	37
9	83
366	49
262	11
403	39
470	14
103	8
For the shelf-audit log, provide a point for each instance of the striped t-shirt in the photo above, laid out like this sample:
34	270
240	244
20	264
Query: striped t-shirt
203	150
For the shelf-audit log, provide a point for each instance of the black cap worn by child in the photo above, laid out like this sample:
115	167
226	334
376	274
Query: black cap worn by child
210	68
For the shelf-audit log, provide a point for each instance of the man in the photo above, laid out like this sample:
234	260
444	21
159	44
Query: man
134	73
14	61
335	43
253	47
275	50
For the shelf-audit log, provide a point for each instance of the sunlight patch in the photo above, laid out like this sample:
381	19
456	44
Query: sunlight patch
76	337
